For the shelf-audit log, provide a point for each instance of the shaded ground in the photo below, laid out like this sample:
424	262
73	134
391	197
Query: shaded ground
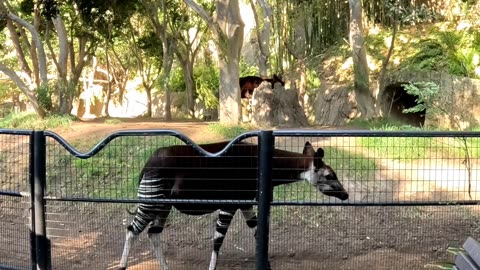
90	236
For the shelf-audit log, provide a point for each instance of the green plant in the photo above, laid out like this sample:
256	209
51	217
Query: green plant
228	132
247	70
426	93
113	121
207	85
44	96
26	120
447	265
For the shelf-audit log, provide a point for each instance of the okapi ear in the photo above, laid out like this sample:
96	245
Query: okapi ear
320	153
308	149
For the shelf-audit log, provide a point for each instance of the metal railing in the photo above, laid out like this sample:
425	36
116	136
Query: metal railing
38	181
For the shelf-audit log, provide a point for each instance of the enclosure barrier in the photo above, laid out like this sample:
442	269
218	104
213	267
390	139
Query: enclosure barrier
395	172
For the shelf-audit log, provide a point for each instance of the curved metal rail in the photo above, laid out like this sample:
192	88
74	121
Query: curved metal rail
157	132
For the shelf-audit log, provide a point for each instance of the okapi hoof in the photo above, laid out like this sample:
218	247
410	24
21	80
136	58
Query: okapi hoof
122	268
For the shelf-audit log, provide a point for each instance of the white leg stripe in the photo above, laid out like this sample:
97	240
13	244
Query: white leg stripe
248	213
213	261
129	239
225	213
157	249
218	235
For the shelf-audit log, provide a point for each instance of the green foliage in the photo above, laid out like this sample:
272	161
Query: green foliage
207	84
113	121
44	96
114	171
380	124
425	93
33	121
228	132
247	70
177	82
457	52
447	265
430	56
313	80
151	44
398	148
350	165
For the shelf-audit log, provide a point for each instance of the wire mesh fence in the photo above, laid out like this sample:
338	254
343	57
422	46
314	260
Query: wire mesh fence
410	197
14	210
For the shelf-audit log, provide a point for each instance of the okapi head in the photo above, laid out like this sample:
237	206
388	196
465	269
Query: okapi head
322	176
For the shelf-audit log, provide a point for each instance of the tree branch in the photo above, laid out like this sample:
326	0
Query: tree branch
36	39
214	27
23	87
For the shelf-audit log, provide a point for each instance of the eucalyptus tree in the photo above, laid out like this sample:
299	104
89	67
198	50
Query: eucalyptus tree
363	93
33	75
144	43
190	36
227	29
262	13
108	18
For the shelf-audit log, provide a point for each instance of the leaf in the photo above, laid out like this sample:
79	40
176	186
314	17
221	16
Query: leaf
455	250
441	265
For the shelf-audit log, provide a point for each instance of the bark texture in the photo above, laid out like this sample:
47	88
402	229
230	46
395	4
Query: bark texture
277	107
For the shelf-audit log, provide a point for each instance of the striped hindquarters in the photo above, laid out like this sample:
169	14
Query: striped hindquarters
147	212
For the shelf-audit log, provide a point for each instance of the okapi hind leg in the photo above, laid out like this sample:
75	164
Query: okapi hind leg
154	233
221	228
130	238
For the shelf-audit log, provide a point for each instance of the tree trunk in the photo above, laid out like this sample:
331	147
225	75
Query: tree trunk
302	89
65	92
148	90
229	46
18	49
109	84
263	35
42	62
187	68
227	29
361	75
166	68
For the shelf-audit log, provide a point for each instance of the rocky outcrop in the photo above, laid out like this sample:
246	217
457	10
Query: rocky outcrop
276	107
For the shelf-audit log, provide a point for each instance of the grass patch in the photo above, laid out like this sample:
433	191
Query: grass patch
228	132
350	165
113	121
398	148
25	120
111	173
380	124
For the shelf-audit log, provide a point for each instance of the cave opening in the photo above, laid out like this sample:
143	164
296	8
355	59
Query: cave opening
396	100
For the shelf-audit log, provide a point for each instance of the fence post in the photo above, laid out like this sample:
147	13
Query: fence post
38	179
264	197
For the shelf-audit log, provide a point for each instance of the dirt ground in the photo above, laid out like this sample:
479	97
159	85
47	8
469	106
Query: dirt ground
91	235
87	133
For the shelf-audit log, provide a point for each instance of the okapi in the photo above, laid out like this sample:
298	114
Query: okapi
249	83
181	172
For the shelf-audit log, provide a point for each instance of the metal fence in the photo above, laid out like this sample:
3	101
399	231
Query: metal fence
411	196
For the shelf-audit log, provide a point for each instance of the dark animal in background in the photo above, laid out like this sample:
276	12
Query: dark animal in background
249	83
181	172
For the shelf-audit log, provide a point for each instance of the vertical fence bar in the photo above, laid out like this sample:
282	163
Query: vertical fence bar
33	248
42	244
264	197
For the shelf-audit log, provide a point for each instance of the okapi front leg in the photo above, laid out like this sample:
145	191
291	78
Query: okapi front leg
221	228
